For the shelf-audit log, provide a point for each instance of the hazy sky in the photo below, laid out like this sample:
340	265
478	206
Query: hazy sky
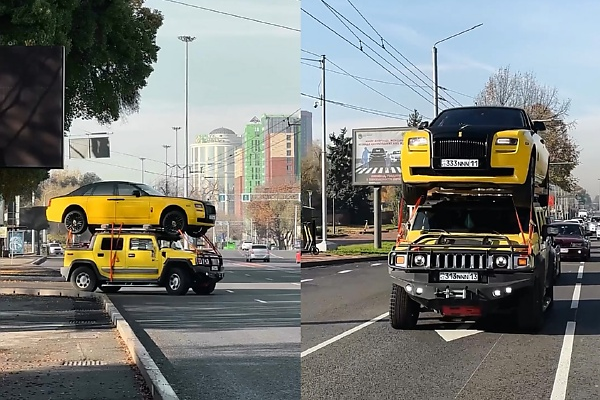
552	38
237	69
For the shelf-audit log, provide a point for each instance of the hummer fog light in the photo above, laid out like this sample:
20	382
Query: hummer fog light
496	293
419	260
501	261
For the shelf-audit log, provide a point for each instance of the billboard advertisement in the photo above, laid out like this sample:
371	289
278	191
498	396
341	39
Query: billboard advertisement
32	91
16	242
98	147
376	156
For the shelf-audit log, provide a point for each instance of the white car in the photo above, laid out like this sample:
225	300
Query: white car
395	157
246	245
55	249
258	252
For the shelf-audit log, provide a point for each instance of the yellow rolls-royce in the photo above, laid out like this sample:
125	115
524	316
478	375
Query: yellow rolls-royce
477	147
129	204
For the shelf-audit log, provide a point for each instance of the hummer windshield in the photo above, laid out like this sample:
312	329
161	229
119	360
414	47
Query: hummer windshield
491	216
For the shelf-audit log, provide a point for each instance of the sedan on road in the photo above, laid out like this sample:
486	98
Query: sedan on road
573	241
258	252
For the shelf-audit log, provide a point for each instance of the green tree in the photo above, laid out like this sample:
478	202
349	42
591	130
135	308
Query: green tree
89	177
348	198
506	88
414	119
310	176
110	49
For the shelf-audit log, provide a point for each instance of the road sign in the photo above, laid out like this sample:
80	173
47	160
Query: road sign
245	197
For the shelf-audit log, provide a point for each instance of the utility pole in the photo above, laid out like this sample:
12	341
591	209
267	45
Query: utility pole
295	225
187	40
142	160
324	165
166	146
176	129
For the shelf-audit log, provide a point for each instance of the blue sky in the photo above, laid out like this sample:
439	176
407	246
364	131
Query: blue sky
238	69
552	39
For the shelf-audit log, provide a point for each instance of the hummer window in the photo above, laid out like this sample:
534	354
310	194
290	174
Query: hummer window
141	244
117	244
475	217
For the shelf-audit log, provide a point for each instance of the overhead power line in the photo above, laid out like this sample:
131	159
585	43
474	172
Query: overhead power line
233	15
359	108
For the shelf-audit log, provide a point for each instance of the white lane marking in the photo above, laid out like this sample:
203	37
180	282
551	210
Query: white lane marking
230	291
247	274
375	265
345	271
269	279
576	294
559	390
295	283
275	255
580	272
260	301
305	280
343	335
452	334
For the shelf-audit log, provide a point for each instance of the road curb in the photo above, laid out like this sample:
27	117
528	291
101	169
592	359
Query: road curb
39	261
158	384
341	261
156	381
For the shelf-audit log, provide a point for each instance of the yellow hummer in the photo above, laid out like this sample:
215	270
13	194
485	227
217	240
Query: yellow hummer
466	256
141	257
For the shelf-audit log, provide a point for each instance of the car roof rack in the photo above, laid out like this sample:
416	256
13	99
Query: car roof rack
142	229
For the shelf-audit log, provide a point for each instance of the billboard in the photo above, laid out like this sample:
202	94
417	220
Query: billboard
16	242
89	148
32	92
376	156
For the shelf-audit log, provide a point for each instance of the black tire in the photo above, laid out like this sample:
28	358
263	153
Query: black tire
411	194
75	221
524	194
109	289
404	311
178	281
197	232
268	260
530	311
84	279
315	251
174	221
204	288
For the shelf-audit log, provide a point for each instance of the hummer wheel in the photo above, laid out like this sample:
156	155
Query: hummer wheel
404	311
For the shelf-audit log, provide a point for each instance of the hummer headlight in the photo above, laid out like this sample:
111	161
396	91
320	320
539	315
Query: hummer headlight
501	261
419	260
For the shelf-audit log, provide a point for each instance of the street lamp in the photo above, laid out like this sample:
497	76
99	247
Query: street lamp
166	146
176	129
436	96
142	160
187	40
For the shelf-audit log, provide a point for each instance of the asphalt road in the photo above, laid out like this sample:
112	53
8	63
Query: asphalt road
241	342
444	360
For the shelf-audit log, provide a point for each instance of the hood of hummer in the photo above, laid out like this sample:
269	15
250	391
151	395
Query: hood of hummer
176	253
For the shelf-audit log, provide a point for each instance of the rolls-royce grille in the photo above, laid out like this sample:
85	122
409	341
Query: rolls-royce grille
459	148
210	209
456	260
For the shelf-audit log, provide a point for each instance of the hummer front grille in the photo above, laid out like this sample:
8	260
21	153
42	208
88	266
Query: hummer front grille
455	261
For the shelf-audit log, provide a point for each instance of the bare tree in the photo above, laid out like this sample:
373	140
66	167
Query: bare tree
310	175
542	102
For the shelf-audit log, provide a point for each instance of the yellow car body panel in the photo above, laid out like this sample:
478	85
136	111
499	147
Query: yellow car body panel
502	156
127	210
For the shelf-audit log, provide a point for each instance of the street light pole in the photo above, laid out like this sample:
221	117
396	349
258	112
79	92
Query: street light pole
436	87
142	160
176	129
323	166
166	146
187	40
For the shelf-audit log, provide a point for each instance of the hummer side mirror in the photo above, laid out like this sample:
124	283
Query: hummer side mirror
548	230
539	126
137	193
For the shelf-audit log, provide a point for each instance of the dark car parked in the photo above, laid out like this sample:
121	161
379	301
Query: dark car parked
573	241
377	158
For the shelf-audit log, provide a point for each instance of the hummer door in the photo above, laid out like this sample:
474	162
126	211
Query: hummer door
108	252
142	260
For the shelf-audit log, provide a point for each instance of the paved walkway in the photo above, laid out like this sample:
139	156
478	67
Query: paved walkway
21	268
62	348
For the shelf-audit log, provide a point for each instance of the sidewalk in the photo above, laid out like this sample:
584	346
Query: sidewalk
22	268
63	348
